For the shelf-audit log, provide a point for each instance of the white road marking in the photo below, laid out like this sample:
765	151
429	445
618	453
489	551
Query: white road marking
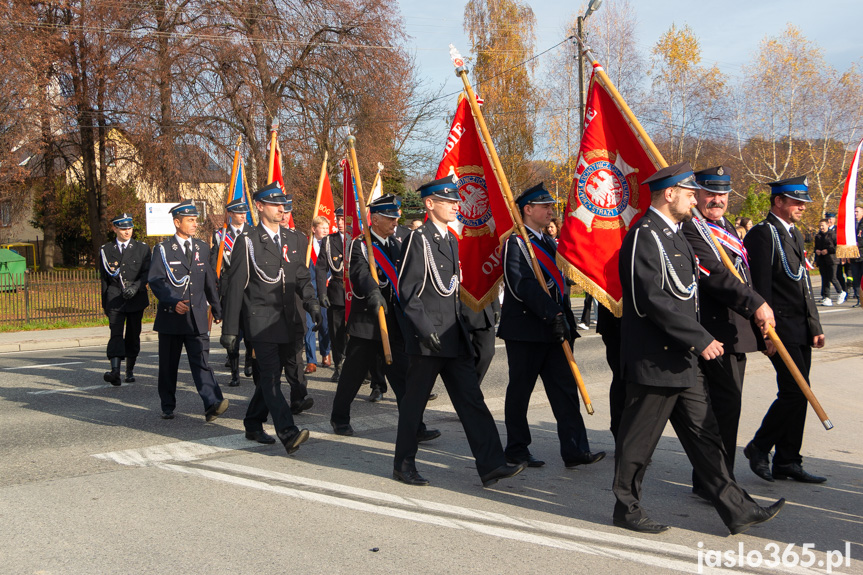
71	389
44	365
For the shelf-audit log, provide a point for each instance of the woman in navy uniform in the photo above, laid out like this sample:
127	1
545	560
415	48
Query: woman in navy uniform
661	343
437	342
365	349
779	274
532	323
125	265
184	283
267	272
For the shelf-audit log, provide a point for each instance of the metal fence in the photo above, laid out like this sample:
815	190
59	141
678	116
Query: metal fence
71	295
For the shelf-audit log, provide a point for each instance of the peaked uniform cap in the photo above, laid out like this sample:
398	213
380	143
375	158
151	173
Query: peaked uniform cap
444	188
535	195
796	188
184	208
271	194
237	206
715	180
387	205
123	221
680	175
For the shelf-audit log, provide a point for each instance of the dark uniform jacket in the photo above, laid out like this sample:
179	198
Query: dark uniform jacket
134	265
199	291
483	319
426	310
363	321
792	301
727	305
269	309
661	337
826	241
528	312
331	258
226	255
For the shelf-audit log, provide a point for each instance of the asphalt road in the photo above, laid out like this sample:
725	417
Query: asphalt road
93	481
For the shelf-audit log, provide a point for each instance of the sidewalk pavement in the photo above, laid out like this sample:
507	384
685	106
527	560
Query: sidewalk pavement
73	337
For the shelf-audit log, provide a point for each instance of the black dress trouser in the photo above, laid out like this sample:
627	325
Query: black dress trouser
128	346
268	399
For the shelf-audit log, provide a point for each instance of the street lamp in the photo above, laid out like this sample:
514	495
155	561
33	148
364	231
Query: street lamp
592	7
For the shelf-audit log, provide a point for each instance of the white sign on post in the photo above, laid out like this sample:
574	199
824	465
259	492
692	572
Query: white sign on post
160	222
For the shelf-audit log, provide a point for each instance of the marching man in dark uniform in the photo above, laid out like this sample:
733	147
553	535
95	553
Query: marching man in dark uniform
660	346
124	269
267	271
779	274
364	346
184	283
728	308
438	343
331	264
534	324
236	210
480	325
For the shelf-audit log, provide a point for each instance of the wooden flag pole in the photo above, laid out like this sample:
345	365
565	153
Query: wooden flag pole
658	159
274	128
229	192
461	71
374	184
317	203
355	172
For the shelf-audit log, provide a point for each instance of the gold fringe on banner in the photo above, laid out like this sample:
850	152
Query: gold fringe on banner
847	252
588	285
480	305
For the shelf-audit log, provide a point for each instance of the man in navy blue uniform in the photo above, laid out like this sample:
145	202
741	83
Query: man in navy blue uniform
364	345
184	283
661	341
437	342
329	275
533	324
125	264
775	248
267	272
237	211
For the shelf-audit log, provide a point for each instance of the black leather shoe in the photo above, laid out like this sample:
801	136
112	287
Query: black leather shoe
293	438
411	477
247	371
643	525
342	428
795	471
502	472
235	380
585	459
167	415
376	395
530	461
427	435
432	396
336	374
755	516
260	436
298	407
759	461
130	377
214	411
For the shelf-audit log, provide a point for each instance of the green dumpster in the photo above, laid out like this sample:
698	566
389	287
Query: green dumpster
12	269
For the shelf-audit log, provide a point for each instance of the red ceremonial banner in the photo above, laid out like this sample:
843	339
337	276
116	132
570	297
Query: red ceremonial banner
353	227
276	162
605	200
484	221
327	207
846	228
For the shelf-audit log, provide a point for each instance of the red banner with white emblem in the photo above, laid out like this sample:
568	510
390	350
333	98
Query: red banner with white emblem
353	227
484	221
606	198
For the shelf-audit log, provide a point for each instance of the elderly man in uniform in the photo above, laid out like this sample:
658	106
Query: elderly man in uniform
124	269
184	283
331	265
236	211
437	342
364	344
533	324
267	271
775	248
662	341
730	310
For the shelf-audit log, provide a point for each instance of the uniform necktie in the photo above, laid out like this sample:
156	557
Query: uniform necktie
122	247
188	246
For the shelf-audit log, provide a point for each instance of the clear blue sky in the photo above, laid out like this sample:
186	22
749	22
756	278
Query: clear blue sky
729	31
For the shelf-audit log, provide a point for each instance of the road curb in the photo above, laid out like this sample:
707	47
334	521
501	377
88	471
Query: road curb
41	345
